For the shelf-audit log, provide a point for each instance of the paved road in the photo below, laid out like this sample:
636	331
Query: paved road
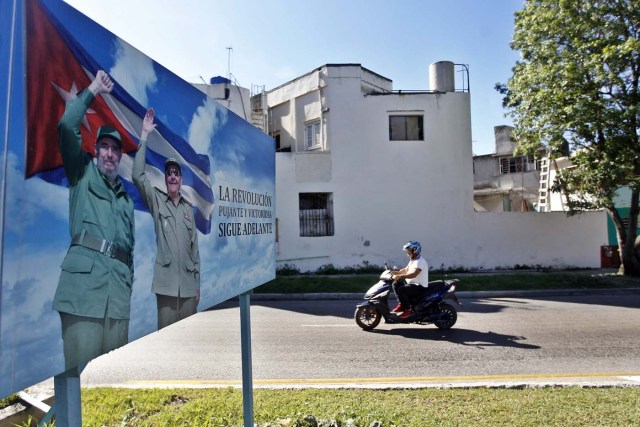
586	339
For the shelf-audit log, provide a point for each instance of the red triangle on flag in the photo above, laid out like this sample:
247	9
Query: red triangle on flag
54	76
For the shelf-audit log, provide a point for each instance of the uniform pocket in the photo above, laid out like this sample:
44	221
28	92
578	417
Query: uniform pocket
190	266
162	259
76	262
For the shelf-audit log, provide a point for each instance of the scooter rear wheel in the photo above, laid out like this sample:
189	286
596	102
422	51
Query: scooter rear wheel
447	316
367	317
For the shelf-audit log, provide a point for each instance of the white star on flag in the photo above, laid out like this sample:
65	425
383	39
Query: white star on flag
71	95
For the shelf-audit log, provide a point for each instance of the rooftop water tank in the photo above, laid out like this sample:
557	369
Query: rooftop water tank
442	77
219	80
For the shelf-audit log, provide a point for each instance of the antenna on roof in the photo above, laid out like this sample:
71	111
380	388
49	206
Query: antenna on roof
229	49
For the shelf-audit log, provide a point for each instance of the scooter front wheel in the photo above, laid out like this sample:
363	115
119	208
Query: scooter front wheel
367	317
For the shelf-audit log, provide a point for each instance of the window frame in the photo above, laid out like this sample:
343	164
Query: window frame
518	164
315	213
313	135
403	132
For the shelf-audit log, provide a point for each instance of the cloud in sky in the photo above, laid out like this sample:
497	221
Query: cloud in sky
134	71
31	198
29	324
144	315
207	118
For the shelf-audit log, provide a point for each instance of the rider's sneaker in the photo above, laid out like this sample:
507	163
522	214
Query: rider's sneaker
397	309
404	314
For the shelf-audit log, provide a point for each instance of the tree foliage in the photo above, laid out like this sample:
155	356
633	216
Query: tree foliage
575	92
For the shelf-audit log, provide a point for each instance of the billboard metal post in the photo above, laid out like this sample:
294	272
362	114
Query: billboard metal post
68	406
247	374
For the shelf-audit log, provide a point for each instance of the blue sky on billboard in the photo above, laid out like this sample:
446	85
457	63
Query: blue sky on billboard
36	234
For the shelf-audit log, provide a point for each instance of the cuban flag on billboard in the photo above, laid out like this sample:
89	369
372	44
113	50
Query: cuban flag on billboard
58	68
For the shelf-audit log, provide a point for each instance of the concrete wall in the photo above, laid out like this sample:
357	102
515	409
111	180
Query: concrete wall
504	143
534	239
485	170
238	100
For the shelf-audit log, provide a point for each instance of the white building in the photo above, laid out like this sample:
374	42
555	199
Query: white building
361	169
233	97
504	182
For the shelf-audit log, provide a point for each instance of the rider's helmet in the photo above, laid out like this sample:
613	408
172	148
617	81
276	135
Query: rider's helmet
414	247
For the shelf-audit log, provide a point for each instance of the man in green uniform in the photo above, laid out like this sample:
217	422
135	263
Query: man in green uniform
94	290
176	276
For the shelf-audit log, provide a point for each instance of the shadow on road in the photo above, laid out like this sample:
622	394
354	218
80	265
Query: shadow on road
346	309
465	337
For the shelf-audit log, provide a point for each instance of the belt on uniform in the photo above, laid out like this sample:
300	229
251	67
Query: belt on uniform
103	246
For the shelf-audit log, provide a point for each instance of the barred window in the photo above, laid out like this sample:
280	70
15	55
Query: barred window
316	214
406	128
519	164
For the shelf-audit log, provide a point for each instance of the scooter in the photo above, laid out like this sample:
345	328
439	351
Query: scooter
429	307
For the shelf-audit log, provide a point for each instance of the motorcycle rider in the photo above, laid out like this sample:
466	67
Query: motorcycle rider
411	280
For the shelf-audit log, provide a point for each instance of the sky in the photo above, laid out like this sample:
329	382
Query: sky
273	42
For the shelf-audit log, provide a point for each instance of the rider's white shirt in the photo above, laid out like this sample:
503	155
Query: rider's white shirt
422	278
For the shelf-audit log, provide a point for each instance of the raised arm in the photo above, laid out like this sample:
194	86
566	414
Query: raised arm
69	137
139	175
101	84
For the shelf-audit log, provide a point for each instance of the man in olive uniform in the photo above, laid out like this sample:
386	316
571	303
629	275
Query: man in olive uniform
176	276
94	290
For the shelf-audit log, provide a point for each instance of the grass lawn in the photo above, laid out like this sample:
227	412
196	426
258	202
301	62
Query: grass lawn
570	406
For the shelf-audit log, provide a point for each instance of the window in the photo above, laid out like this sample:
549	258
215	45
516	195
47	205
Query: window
279	148
312	135
406	128
519	164
276	138
316	214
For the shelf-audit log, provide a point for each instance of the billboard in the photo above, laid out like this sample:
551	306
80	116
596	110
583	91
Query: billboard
88	248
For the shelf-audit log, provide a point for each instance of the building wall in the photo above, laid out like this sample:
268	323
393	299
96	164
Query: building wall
388	192
556	200
534	239
237	101
500	192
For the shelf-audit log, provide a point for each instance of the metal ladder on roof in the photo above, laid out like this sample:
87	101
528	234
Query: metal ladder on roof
543	191
257	107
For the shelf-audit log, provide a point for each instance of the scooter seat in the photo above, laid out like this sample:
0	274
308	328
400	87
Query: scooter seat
433	288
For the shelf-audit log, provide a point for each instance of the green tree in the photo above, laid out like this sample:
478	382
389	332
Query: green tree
574	92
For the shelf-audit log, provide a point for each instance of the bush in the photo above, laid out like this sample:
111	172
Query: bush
287	270
330	270
364	268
